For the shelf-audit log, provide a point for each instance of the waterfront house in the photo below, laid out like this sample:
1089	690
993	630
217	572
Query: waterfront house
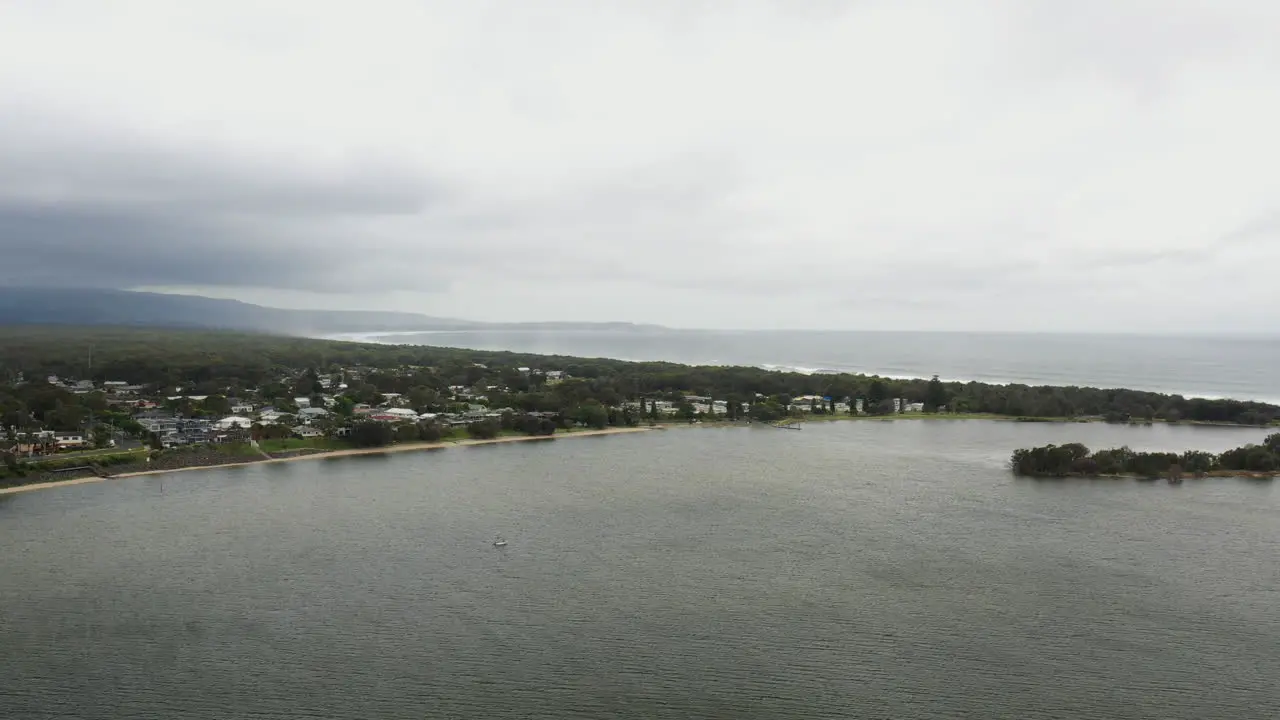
69	441
306	432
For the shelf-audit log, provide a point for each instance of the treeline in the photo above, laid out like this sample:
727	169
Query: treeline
378	434
215	363
1074	459
41	405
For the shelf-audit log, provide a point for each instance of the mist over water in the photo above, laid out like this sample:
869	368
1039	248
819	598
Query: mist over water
1237	367
861	570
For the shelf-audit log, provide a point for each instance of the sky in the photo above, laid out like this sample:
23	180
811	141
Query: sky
1093	165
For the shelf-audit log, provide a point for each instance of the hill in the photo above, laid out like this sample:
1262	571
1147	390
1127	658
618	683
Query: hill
123	308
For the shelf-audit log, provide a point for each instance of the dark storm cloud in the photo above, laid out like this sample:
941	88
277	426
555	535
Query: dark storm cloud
116	214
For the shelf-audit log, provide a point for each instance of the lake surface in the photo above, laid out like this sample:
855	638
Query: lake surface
1239	367
855	569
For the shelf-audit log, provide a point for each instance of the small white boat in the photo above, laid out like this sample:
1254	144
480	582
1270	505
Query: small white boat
499	543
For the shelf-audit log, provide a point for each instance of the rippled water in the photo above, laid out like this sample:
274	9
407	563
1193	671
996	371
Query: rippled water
863	570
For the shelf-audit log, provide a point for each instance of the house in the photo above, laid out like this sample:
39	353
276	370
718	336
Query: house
241	407
303	431
313	413
302	402
233	421
160	423
68	441
401	413
555	375
270	416
913	407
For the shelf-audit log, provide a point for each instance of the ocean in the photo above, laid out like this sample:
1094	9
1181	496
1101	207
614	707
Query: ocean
1237	367
850	570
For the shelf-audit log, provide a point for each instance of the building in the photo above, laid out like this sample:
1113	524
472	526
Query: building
306	432
69	441
233	421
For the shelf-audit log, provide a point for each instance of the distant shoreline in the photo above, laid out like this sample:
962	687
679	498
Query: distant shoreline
388	338
327	454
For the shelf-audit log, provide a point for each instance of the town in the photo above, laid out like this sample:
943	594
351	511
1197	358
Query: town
344	407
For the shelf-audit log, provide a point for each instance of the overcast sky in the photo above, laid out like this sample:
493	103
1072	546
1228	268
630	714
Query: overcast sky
1102	165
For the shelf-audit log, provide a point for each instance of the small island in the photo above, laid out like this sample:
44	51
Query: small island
1076	460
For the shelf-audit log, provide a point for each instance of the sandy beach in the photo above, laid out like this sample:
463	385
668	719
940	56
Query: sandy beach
403	447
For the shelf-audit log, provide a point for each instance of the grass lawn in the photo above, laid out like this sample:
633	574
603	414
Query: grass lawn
284	444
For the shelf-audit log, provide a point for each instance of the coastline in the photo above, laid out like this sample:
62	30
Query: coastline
347	452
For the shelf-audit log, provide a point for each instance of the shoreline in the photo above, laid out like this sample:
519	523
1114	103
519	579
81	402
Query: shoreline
667	425
326	454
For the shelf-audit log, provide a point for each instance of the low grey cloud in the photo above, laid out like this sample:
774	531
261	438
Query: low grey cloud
916	164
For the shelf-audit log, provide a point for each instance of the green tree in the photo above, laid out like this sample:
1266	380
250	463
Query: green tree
877	393
685	411
429	431
591	414
423	399
217	405
486	429
935	395
1272	442
101	436
371	433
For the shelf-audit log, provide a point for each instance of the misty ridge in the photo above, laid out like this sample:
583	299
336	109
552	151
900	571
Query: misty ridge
92	307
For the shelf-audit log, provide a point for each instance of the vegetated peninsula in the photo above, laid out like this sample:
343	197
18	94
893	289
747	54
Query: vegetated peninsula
78	400
1076	460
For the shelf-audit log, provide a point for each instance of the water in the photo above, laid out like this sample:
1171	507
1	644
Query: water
1240	367
861	570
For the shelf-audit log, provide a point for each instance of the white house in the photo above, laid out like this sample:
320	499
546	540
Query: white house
69	440
233	421
302	402
303	431
242	408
